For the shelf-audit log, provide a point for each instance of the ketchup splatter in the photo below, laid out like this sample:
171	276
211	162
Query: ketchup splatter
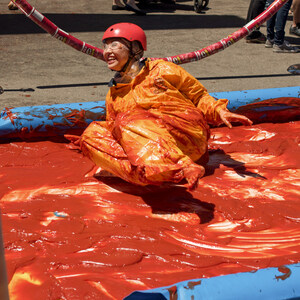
70	235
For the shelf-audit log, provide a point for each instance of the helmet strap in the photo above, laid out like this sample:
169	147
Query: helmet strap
132	66
132	69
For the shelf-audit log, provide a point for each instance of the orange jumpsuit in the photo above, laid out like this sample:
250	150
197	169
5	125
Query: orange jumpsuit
155	125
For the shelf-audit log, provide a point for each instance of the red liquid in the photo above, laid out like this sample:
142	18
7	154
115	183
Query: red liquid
71	236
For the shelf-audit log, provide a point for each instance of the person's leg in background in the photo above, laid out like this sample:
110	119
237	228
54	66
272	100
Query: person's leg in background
270	28
276	30
295	27
256	7
281	19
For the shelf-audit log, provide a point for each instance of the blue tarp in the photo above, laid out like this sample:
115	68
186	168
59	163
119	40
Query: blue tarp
271	283
240	98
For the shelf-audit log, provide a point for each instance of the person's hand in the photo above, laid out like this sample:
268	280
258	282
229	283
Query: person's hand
227	117
74	141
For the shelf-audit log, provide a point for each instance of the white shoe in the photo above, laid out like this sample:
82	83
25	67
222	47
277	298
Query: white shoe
269	43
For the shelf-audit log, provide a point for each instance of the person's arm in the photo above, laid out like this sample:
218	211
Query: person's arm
215	111
227	117
193	90
109	111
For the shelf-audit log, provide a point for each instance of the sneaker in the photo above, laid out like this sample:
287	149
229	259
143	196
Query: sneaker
261	39
135	9
269	43
286	47
295	30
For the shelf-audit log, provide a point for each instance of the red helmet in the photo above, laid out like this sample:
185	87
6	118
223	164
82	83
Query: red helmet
128	31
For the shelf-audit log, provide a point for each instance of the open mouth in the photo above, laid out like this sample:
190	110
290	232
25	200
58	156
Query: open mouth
111	60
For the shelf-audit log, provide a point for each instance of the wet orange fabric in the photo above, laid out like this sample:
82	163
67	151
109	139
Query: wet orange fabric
156	125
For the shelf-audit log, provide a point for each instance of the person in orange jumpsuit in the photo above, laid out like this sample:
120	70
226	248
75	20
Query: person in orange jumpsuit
157	116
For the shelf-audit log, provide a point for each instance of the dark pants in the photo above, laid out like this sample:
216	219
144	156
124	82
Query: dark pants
256	7
276	24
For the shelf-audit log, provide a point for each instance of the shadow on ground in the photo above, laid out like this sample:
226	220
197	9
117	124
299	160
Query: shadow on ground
20	24
74	85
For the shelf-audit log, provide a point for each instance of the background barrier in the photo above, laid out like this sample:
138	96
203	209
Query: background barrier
73	118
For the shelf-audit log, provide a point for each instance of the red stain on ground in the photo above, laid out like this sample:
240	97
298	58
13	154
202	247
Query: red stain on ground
72	236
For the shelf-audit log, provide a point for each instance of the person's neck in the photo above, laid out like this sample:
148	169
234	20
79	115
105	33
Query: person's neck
130	73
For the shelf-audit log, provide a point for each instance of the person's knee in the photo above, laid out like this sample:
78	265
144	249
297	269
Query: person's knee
132	117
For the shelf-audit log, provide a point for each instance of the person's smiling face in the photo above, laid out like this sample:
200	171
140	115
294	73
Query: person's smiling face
115	53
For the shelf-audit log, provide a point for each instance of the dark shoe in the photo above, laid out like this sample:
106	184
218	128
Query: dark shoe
172	2
137	11
295	30
285	48
257	40
117	7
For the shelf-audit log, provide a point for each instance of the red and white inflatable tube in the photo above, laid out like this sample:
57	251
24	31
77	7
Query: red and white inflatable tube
229	40
34	15
79	45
